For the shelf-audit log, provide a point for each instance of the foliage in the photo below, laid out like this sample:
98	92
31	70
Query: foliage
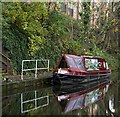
36	30
22	30
16	41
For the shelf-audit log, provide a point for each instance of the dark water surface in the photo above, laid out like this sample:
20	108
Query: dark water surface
96	98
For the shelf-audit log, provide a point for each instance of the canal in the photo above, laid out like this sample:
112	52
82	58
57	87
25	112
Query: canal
97	98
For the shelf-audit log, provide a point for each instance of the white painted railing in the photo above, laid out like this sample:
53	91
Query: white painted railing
35	101
36	68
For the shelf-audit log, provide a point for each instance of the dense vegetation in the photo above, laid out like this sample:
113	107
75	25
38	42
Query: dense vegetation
39	30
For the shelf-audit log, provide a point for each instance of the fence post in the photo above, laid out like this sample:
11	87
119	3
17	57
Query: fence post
22	71
36	70
48	65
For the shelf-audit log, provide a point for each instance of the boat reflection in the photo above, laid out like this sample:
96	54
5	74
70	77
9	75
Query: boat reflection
72	97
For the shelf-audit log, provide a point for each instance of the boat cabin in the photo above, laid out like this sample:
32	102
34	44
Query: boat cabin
82	63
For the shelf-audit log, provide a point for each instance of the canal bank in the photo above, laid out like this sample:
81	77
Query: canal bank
14	84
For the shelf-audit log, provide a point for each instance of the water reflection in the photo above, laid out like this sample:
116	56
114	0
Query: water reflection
94	98
28	102
72	97
111	104
35	103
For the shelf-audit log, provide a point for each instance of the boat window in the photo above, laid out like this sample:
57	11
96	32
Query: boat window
91	64
107	66
71	62
104	64
63	63
79	63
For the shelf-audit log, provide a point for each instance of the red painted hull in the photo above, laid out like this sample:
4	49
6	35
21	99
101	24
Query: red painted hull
73	68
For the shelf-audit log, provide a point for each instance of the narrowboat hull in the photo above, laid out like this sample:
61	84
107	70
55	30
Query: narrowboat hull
80	69
66	89
70	79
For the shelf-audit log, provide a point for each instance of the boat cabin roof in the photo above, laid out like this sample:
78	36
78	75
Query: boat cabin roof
82	62
82	56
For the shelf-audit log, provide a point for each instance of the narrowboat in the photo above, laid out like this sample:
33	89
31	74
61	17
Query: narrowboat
74	97
80	69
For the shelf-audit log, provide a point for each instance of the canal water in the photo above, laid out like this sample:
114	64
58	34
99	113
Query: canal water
96	98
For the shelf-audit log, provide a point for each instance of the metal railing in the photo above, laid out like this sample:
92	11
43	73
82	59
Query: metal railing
35	100
36	66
